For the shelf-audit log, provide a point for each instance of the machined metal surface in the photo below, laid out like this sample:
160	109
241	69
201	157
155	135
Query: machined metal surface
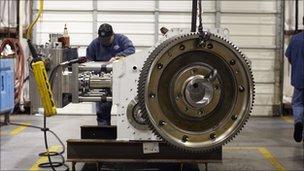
100	82
197	94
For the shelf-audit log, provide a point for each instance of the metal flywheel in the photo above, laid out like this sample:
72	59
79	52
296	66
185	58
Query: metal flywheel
197	93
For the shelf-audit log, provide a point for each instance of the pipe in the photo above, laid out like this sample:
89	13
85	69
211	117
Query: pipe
95	99
93	94
30	28
17	18
194	15
297	16
95	66
100	83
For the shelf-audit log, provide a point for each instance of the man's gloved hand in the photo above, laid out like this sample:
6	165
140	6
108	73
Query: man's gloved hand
115	58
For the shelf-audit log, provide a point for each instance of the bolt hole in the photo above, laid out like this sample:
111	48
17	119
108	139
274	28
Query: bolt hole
234	117
185	138
210	46
232	62
241	88
159	66
161	123
212	136
134	68
152	95
182	47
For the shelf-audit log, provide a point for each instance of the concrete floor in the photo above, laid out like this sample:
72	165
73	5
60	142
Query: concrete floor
264	144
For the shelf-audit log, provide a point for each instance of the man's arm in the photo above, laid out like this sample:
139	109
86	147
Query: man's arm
91	55
128	48
288	52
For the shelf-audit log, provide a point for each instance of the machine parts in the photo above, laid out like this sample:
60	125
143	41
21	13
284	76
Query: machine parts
54	57
196	91
135	116
94	86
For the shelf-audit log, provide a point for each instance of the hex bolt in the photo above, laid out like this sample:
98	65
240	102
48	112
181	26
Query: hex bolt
210	46
182	47
232	62
241	88
179	96
159	66
185	139
201	112
161	123
212	136
234	117
201	44
152	95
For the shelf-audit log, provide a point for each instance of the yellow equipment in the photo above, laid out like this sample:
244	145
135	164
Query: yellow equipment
40	74
44	87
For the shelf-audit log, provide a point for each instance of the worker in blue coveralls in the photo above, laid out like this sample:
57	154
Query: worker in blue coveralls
108	47
295	55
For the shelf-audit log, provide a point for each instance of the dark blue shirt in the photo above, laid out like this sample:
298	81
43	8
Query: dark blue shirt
121	46
295	55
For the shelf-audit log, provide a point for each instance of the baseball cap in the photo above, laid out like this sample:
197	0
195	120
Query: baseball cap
105	30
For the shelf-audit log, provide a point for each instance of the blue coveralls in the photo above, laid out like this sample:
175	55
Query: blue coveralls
295	55
121	46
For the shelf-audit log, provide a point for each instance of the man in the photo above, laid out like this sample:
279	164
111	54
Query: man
295	55
108	47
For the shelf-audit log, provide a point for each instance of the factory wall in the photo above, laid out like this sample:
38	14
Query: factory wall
255	26
8	13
